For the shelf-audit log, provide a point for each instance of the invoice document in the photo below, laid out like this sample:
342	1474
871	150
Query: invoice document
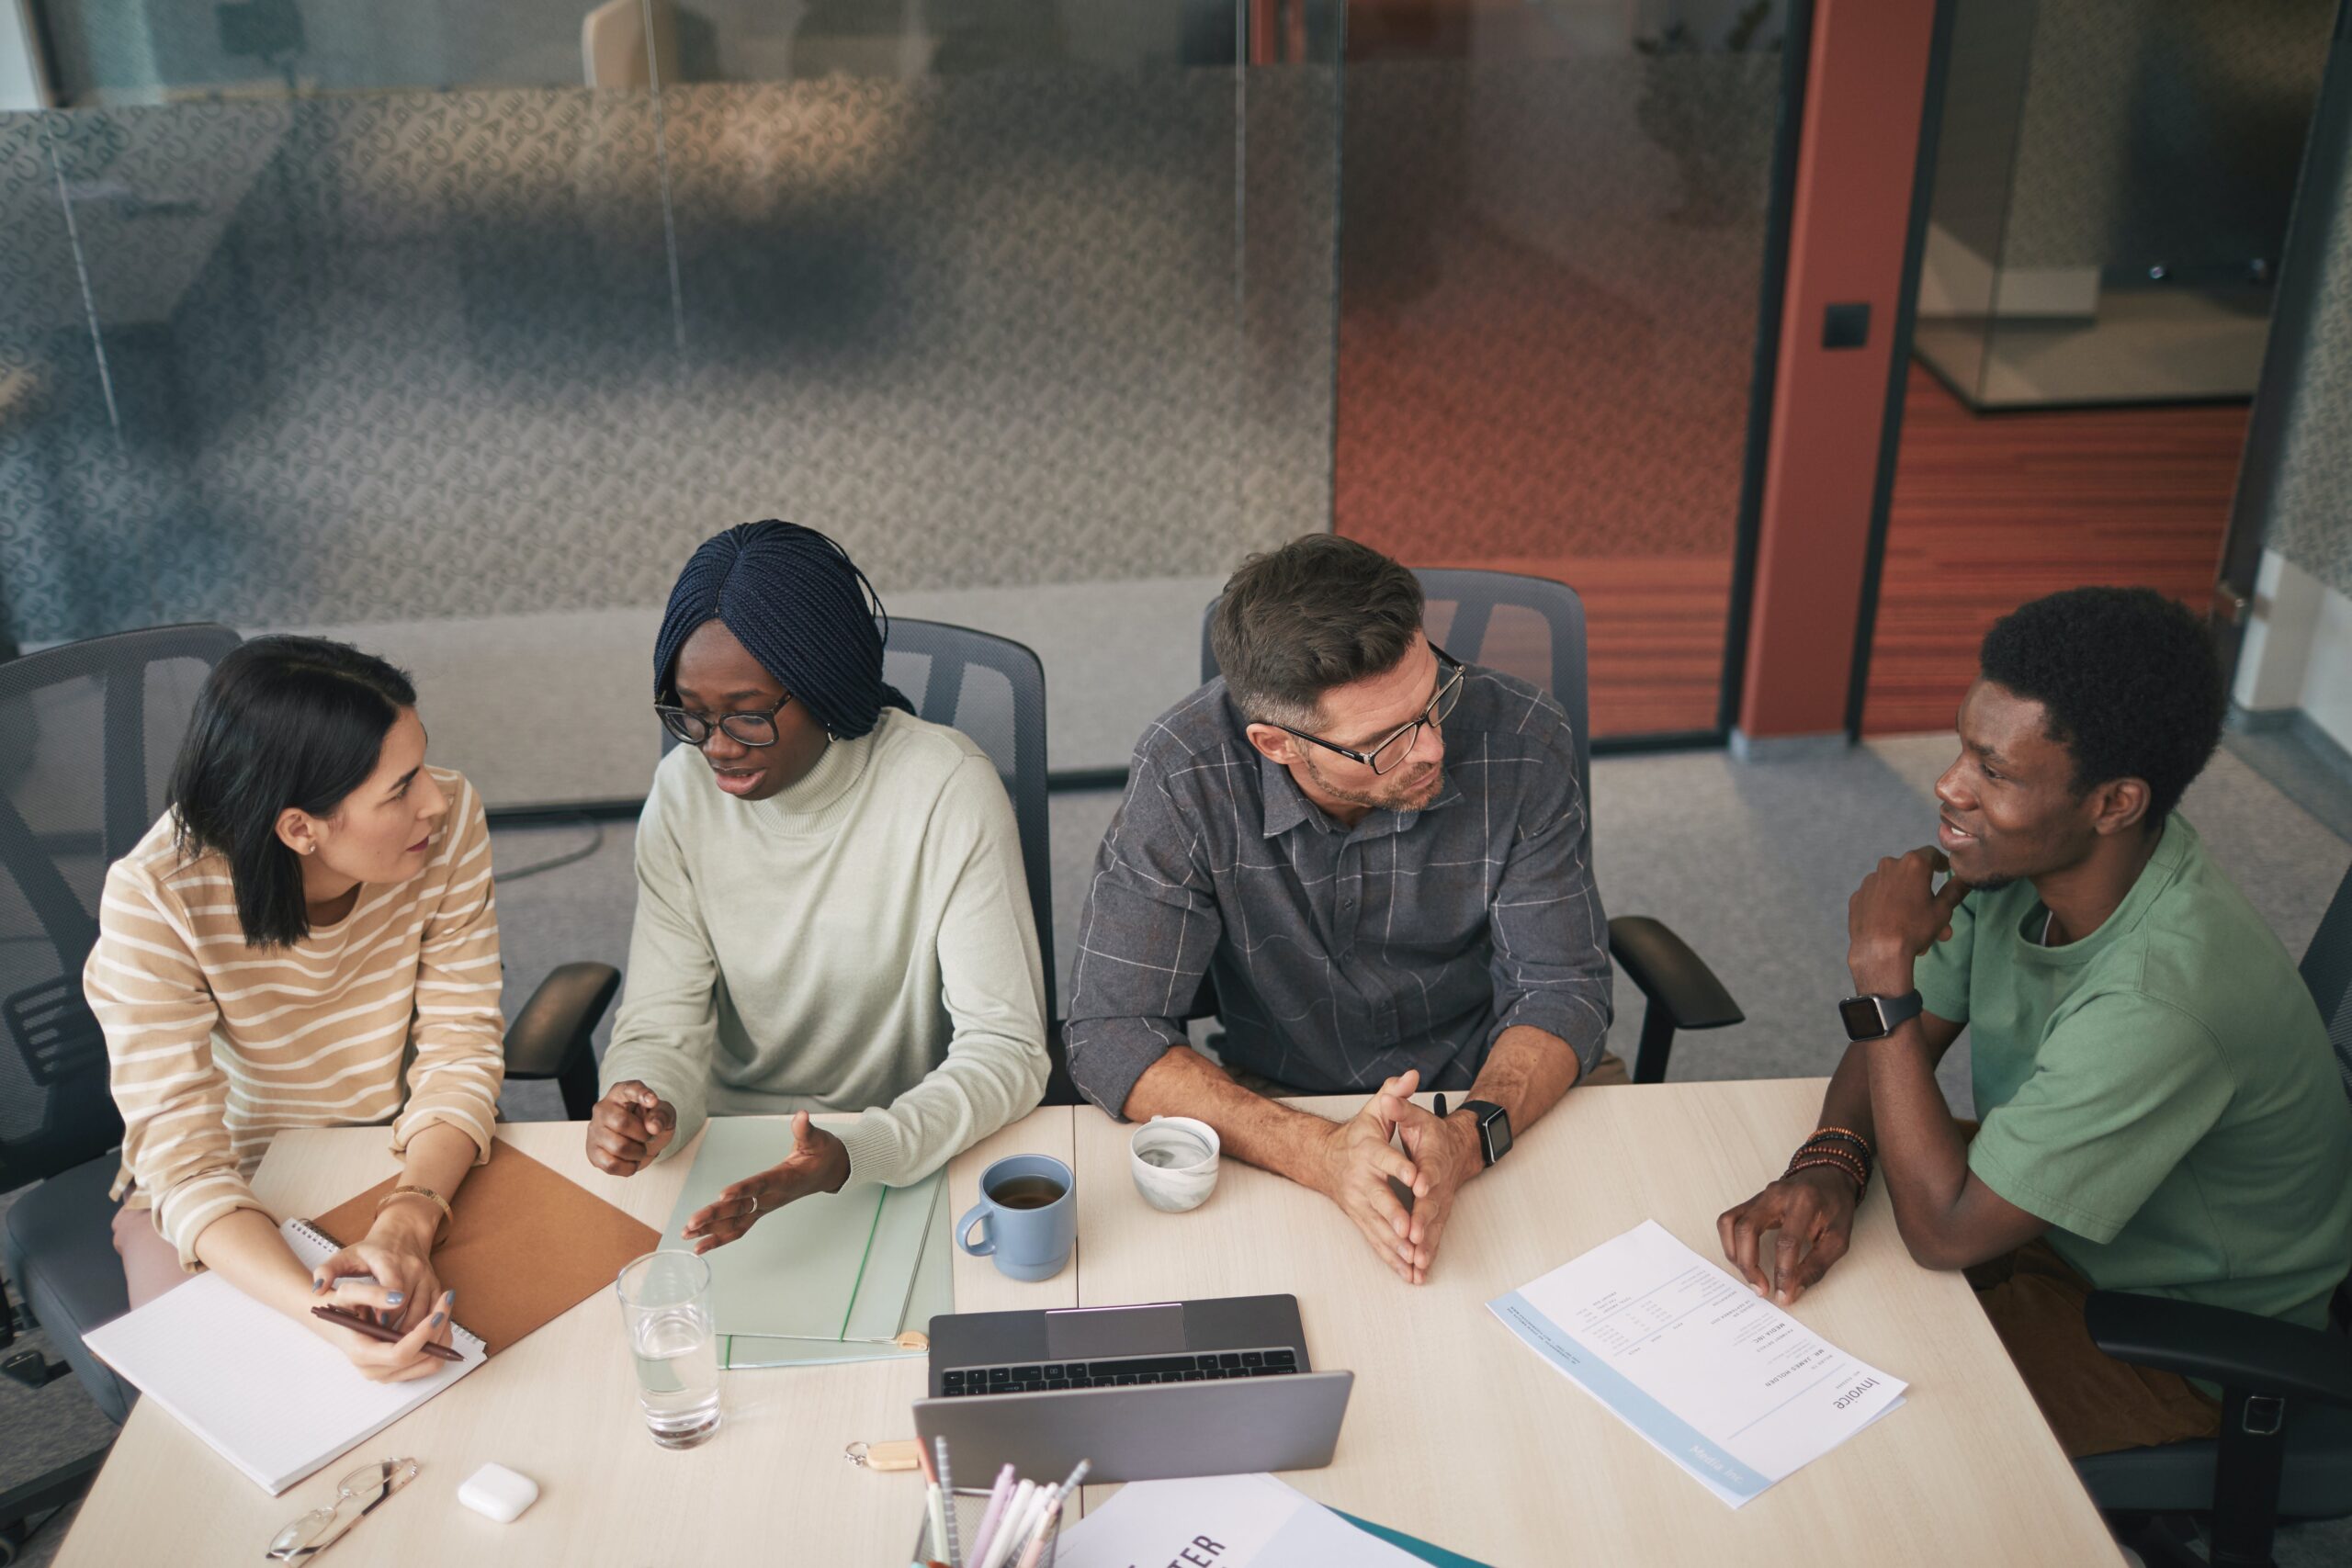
1719	1380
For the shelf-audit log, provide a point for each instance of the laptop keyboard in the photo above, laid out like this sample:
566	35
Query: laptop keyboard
1122	1371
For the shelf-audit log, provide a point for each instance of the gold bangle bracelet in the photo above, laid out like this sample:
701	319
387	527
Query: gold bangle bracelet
448	1215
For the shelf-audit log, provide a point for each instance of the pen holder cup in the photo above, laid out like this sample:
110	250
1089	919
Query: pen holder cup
971	1508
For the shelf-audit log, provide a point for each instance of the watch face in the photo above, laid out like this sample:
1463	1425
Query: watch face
1861	1016
1498	1131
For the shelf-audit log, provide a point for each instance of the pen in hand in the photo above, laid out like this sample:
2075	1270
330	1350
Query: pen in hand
374	1330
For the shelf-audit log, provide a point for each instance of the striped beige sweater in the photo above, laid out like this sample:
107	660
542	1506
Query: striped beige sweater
215	1047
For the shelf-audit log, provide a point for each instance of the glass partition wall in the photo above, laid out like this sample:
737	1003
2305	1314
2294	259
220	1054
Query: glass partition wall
1553	247
2111	190
451	328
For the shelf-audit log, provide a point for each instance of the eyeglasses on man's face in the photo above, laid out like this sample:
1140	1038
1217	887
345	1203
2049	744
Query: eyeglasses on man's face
752	729
1397	745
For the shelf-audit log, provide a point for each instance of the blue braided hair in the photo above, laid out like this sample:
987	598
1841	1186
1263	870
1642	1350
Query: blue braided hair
800	606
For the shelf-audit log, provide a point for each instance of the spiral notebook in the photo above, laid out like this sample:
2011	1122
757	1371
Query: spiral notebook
267	1395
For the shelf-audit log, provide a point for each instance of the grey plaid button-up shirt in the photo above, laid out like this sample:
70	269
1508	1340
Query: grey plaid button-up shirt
1342	956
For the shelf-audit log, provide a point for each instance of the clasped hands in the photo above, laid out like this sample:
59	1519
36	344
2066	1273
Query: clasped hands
1356	1163
631	1125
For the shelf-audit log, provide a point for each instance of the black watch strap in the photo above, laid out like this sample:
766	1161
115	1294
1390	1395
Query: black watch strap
1876	1017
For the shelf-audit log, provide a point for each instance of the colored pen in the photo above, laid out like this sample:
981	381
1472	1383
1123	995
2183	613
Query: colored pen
948	1494
1076	1474
1010	1533
998	1495
938	1518
374	1330
1045	1533
932	1498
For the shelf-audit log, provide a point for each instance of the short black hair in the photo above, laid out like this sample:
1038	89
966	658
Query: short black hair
2128	681
1319	613
283	721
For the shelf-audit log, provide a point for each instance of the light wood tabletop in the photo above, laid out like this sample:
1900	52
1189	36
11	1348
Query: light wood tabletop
1460	1434
1456	1432
560	1406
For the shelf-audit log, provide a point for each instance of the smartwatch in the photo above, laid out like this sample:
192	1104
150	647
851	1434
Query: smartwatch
1494	1128
1875	1018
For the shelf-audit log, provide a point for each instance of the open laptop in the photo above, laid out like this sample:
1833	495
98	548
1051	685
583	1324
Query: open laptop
1220	1386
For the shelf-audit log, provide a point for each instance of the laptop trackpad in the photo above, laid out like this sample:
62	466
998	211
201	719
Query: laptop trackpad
1081	1334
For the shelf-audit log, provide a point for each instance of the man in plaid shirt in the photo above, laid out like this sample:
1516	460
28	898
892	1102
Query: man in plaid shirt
1381	860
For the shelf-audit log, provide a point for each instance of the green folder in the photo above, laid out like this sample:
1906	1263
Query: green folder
1403	1542
833	1277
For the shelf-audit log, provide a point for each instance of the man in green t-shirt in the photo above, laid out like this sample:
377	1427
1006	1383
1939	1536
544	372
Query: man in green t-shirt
2161	1110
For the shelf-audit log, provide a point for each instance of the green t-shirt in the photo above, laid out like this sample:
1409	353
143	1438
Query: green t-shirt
2161	1091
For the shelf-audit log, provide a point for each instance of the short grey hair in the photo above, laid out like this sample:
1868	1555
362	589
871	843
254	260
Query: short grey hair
1320	613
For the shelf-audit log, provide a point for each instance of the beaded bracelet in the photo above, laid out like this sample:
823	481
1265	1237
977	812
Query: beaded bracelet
1830	1149
1840	1141
1844	1134
1861	1179
1827	1151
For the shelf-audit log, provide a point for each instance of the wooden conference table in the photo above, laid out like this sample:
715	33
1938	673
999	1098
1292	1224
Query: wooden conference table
1456	1431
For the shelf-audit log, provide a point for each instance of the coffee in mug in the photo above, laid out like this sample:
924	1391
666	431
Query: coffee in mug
1027	1192
1026	1219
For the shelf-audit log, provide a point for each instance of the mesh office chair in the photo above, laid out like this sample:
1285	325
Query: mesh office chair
89	733
1534	628
2286	1442
993	690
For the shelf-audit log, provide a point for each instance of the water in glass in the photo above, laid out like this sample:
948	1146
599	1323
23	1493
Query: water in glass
677	1375
665	1307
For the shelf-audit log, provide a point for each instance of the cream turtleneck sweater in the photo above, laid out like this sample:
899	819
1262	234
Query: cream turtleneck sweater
860	941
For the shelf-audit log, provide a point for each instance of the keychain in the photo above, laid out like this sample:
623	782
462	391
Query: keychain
903	1453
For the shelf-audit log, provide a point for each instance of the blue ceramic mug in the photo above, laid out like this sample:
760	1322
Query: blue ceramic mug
1027	1215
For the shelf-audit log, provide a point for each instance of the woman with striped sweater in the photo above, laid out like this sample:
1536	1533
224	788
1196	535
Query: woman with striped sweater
307	938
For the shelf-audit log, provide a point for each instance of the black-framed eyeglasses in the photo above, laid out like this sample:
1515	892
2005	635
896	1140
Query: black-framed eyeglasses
754	730
1394	747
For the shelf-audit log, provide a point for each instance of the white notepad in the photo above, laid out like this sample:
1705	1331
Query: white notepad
271	1396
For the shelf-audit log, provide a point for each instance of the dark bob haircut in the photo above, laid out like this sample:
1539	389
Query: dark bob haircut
1319	613
283	722
2127	679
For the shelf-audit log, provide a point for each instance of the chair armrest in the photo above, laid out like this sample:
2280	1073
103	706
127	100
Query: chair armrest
1203	1002
1670	975
558	1019
2236	1349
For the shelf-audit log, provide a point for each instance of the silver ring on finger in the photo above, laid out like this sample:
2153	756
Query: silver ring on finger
754	1208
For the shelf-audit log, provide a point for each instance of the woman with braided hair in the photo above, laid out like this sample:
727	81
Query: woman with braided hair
830	911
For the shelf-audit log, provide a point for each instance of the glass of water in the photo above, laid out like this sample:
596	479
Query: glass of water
665	1306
